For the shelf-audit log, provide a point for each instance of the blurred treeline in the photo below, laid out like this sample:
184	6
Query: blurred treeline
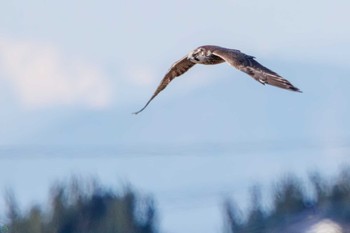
292	202
83	206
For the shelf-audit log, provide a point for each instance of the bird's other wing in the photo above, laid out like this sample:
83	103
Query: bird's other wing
177	69
253	68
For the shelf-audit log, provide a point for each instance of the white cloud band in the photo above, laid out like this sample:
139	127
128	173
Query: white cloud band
41	76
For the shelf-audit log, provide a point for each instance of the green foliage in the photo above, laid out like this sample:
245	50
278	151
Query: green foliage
288	197
256	217
291	203
84	207
233	217
3	228
340	196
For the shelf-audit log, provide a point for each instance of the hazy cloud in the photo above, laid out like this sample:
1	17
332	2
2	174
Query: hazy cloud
142	75
42	76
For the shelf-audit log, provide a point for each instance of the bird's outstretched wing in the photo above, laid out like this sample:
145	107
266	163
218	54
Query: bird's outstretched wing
253	68
177	69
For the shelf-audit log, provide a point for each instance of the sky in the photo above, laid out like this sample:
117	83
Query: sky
72	72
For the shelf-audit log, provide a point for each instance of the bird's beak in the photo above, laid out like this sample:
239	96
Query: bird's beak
190	55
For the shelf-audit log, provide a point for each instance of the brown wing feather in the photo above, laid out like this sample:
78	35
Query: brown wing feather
177	69
253	68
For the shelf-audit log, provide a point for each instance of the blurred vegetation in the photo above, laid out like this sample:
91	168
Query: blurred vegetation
292	203
83	206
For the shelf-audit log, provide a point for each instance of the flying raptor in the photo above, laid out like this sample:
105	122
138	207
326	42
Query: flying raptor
212	55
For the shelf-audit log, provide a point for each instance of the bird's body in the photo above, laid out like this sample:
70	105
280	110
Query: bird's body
212	55
205	56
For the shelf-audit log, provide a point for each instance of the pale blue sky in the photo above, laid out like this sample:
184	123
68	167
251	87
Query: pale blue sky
71	73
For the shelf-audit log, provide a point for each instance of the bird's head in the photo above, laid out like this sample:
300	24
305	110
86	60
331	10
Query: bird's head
198	55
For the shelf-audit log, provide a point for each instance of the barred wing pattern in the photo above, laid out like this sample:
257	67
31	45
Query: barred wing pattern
212	55
177	69
253	68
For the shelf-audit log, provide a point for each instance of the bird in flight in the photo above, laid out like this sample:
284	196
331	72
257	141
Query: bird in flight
212	55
